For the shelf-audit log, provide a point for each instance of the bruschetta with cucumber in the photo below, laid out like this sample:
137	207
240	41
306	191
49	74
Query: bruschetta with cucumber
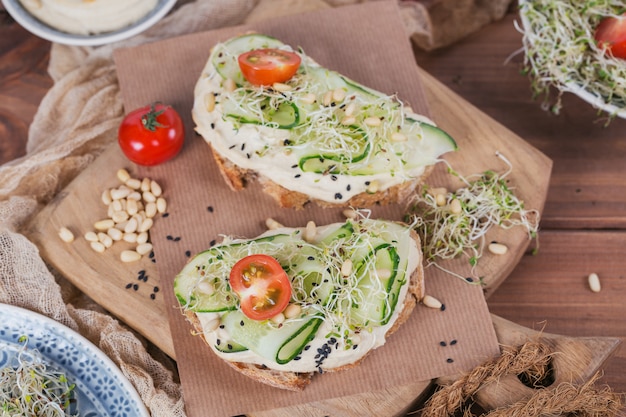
295	302
307	133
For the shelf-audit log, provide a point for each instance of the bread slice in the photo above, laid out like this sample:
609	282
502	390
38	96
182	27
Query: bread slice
321	137
297	381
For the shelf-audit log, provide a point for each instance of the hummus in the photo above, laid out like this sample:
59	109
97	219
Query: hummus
89	17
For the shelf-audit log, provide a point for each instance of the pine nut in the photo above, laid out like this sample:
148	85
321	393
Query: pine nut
348	120
594	282
97	246
145	184
229	85
372	187
209	102
328	98
110	210
281	87
119	216
339	94
66	235
431	302
278	318
455	207
437	190
133	183
142	237
91	237
131	206
161	205
346	268
497	248
148	197
103	225
308	98
145	225
106	197
130	237
350	214
206	287
131	226
123	175
119	193
129	256
155	188
115	234
151	209
292	310
135	195
372	121
272	224
144	248
310	231
398	137
350	108
116	205
440	200
105	240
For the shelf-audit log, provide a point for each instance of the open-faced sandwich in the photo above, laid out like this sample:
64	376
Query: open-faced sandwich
307	133
296	301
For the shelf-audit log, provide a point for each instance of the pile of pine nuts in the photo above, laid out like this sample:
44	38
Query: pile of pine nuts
131	208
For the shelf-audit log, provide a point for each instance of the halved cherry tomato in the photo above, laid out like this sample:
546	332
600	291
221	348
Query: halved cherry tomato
262	285
268	66
611	34
152	134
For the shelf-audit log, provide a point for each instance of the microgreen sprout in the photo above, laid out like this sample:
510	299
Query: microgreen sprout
485	201
30	388
560	50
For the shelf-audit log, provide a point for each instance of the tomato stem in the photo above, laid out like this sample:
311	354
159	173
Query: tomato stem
149	120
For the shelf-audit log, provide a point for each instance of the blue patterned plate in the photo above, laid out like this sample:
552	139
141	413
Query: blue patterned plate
101	388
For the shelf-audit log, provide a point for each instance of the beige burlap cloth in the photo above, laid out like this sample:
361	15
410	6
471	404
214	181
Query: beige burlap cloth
79	117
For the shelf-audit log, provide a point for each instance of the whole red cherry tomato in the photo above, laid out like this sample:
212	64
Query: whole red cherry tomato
268	66
611	34
262	285
152	134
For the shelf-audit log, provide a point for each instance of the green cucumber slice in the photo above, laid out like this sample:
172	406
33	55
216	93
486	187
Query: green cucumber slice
335	163
224	56
285	116
376	311
281	344
229	347
345	231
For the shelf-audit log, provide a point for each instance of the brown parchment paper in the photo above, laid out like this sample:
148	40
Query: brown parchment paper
367	43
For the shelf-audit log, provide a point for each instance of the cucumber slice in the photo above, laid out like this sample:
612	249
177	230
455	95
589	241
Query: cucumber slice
285	116
345	231
278	344
224	56
229	347
382	259
355	138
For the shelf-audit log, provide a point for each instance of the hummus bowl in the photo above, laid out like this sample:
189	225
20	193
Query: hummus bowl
30	22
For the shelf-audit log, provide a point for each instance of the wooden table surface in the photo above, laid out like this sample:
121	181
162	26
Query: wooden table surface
584	220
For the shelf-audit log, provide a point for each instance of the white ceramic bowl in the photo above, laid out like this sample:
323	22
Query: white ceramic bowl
593	99
33	25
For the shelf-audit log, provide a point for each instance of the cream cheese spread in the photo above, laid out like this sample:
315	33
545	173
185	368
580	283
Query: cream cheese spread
88	17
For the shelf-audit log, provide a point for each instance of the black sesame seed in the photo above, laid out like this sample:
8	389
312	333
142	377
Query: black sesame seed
348	188
188	253
212	243
130	284
307	347
232	146
241	323
155	289
218	342
243	146
297	176
221	326
151	254
443	307
333	177
230	347
212	125
294	166
338	196
469	279
165	215
449	360
297	358
248	155
210	209
135	287
177	238
442	343
152	296
311	258
453	342
169	237
367	183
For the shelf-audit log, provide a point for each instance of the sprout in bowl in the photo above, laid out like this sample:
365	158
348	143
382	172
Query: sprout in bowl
562	52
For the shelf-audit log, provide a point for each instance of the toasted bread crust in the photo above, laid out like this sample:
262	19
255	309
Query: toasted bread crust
297	381
238	178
